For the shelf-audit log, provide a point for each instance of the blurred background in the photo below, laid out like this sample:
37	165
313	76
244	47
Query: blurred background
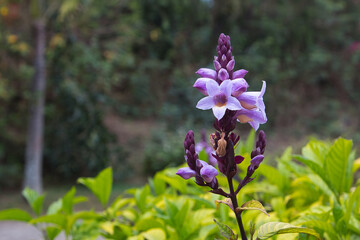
119	76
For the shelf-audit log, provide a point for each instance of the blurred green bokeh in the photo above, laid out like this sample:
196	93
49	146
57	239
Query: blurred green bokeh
135	59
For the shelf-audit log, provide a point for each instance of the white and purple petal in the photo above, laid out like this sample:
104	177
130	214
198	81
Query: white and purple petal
226	87
233	104
212	88
186	173
205	103
219	112
207	73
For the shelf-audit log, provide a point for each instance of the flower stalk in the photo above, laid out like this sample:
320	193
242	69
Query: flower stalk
226	94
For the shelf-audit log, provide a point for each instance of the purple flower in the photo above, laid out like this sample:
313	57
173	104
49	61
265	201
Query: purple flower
255	162
207	172
219	98
186	173
253	111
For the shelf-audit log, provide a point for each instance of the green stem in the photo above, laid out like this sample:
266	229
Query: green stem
235	205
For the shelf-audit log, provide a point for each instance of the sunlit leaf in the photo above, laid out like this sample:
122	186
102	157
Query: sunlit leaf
34	199
15	214
101	185
270	229
252	205
338	165
154	234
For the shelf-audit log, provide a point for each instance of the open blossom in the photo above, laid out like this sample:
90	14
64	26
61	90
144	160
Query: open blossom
249	106
219	98
253	111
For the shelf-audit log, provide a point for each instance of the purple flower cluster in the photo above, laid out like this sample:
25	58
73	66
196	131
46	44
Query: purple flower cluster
225	89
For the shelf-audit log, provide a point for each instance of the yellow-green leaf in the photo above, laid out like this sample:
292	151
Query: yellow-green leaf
270	229
252	205
154	234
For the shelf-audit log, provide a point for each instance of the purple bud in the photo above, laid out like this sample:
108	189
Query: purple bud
223	49
255	162
207	73
239	73
230	65
223	58
200	84
217	65
229	54
208	173
223	74
239	85
186	173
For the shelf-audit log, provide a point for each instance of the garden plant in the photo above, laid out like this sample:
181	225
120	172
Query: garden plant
312	195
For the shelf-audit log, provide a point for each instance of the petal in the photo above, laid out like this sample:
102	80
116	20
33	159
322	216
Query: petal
200	85
239	73
255	125
207	73
223	74
186	173
219	112
205	103
230	65
263	88
212	88
233	104
208	173
250	98
226	87
239	85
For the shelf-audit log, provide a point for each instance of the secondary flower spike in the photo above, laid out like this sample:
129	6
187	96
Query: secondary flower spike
225	89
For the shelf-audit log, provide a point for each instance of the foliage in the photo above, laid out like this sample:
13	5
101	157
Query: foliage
162	208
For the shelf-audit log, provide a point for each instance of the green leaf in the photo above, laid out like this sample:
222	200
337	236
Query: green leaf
338	165
356	165
140	198
252	205
154	234
148	223
52	232
100	185
226	231
57	219
67	201
15	214
316	151
34	199
55	207
270	229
